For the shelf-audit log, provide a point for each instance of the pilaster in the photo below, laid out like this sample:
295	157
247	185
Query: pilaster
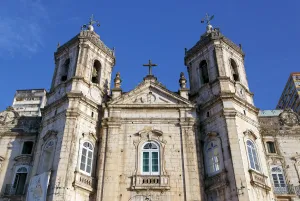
233	159
110	167
189	160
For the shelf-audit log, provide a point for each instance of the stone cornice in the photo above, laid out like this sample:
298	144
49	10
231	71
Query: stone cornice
90	36
206	39
18	134
247	119
226	96
141	120
217	81
148	106
229	113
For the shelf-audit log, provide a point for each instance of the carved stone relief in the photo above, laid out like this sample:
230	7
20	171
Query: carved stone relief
289	118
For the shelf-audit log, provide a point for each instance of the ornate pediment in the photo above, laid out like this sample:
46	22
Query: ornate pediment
148	133
150	93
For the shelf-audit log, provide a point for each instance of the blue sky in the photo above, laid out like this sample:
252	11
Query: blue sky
140	30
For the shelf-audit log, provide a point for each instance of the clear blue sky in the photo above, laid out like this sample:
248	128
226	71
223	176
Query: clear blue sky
158	29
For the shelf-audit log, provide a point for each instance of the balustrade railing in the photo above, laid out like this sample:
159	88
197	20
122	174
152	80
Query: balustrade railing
151	181
84	181
288	189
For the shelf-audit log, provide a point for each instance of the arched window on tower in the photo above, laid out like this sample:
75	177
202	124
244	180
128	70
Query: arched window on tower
213	157
234	70
204	72
47	156
150	159
252	156
86	159
65	70
96	72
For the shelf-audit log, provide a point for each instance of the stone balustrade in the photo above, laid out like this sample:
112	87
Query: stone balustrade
150	182
84	181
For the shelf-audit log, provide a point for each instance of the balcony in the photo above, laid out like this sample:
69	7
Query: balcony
11	190
287	190
23	158
216	181
85	182
259	180
159	182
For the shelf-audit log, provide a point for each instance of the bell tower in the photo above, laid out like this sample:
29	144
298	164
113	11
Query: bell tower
235	166
67	144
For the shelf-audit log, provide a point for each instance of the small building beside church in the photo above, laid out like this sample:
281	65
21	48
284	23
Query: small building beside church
96	143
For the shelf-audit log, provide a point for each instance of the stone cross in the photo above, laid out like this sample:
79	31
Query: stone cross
207	19
92	21
89	26
150	65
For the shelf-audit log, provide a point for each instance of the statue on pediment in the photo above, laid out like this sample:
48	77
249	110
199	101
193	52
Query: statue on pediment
8	116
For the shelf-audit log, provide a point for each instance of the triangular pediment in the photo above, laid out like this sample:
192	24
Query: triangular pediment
150	93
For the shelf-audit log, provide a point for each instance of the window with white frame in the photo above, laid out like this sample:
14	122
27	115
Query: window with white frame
278	179
150	159
252	155
213	157
86	160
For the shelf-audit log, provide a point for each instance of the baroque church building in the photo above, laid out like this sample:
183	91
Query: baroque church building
94	143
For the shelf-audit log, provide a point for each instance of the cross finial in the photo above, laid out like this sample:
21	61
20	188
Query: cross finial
207	19
89	26
92	21
150	65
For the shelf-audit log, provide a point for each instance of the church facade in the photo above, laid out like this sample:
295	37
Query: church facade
94	143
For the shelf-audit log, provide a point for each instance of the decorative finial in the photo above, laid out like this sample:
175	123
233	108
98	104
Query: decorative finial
89	26
182	81
58	45
207	19
118	81
150	65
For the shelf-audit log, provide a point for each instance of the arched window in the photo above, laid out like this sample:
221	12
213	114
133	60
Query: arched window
19	180
47	156
234	70
65	70
280	186
86	160
204	72
150	159
252	155
96	72
271	147
213	157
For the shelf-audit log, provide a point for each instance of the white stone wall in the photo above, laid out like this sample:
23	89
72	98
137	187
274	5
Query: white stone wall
122	154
